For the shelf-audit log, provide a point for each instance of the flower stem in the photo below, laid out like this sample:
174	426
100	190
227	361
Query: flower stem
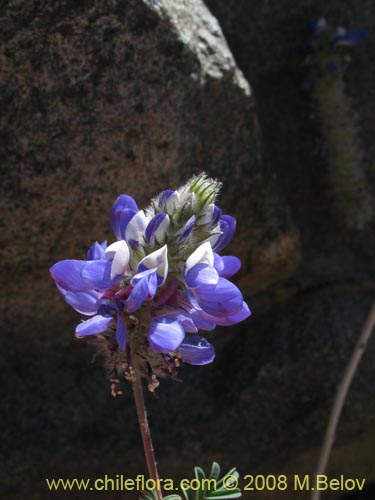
146	434
341	395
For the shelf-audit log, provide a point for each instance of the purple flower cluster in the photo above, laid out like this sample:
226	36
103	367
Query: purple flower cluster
162	280
329	45
341	38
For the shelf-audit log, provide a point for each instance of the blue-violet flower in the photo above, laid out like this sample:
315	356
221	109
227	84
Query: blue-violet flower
150	292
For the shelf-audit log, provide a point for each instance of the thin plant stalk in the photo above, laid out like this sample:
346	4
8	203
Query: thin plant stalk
146	434
341	395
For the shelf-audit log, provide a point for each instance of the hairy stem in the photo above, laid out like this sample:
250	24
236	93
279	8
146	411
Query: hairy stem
146	434
341	396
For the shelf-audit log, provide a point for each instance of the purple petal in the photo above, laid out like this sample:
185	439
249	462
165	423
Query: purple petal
221	299
123	202
184	318
125	217
202	323
97	274
97	251
83	302
196	350
187	322
137	296
67	274
186	230
235	318
218	263
121	333
201	274
195	313
165	335
146	286
226	265
227	227
231	266
164	195
153	225
92	326
144	272
350	39
134	243
227	320
216	216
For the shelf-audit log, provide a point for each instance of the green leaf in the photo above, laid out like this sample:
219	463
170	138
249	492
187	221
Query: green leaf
224	494
232	472
200	475
149	495
186	494
215	471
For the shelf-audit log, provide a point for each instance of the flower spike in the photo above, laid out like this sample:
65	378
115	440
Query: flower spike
151	291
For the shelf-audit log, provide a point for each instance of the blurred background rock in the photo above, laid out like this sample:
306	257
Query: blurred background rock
99	98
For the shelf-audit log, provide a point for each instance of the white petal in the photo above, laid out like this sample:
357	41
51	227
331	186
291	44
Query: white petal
119	252
158	259
136	227
172	202
202	255
161	231
206	218
215	235
194	201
